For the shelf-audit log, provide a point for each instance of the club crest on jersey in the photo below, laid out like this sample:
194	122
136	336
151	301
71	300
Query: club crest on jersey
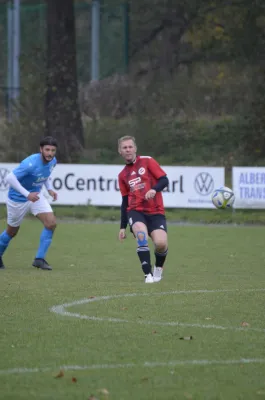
141	171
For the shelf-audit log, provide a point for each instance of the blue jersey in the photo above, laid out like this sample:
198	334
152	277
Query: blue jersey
31	173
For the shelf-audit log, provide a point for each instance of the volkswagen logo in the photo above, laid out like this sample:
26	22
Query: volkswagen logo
3	174
204	183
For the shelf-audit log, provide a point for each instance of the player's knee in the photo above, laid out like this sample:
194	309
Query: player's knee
141	237
12	231
161	245
51	224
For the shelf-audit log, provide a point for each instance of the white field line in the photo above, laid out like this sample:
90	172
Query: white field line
147	364
61	309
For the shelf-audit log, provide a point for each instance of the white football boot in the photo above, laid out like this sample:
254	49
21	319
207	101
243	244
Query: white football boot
149	278
157	274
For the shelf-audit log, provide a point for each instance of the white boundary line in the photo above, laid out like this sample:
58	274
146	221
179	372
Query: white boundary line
61	309
147	364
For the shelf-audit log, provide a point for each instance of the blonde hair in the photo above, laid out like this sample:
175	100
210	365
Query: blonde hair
127	137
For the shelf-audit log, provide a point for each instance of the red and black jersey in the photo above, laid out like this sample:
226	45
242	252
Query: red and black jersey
136	179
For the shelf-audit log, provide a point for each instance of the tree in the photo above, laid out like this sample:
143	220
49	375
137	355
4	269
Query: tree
168	34
63	117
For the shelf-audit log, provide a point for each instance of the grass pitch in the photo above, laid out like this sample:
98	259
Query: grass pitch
122	341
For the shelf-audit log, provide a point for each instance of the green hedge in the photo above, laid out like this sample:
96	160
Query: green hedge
213	142
170	141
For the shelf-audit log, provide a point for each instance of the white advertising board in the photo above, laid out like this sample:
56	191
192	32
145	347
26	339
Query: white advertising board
81	184
249	187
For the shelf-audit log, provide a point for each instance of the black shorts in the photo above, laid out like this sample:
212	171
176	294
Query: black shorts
152	221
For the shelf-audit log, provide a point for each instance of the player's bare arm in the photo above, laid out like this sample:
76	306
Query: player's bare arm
33	197
49	187
122	234
53	194
150	194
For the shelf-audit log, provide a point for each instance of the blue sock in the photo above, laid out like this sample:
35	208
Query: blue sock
45	241
4	242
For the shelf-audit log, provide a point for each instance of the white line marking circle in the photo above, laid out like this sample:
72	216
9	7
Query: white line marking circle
61	309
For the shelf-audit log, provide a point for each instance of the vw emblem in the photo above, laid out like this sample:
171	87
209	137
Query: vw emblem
3	173
204	184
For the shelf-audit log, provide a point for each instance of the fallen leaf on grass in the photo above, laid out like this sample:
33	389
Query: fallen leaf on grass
261	392
154	332
105	392
186	338
245	324
144	379
92	397
60	374
188	396
91	297
74	379
124	308
208	318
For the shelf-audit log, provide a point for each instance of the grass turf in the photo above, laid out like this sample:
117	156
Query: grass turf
214	281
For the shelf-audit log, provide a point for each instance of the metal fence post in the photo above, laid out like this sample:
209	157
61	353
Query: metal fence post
95	39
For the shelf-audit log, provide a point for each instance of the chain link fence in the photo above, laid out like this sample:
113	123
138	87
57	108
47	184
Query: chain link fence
33	45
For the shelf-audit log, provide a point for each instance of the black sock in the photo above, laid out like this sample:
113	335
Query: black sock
160	258
145	259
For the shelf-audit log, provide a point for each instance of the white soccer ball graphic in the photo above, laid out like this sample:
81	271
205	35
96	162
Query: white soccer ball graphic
223	197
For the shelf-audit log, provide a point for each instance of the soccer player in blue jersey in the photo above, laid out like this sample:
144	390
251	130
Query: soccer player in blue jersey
24	196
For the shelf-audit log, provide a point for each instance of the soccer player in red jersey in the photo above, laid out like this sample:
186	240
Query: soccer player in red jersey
141	182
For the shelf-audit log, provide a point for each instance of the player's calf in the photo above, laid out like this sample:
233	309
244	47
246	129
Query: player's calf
1	264
159	264
159	237
143	252
5	239
49	222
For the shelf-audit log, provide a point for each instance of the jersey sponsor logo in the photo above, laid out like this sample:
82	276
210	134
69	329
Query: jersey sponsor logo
136	184
134	181
141	171
3	174
39	181
133	173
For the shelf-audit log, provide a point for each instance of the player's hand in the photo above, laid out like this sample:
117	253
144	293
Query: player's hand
33	196
122	234
150	194
53	194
